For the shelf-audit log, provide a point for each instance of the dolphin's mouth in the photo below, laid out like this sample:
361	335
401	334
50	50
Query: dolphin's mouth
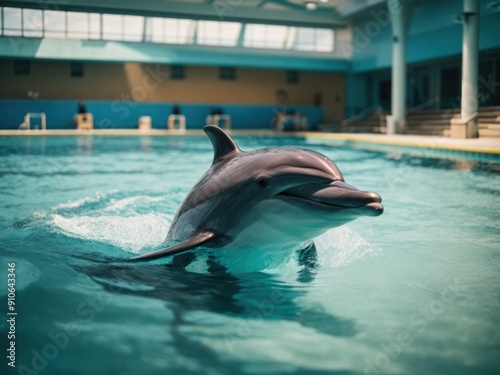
336	196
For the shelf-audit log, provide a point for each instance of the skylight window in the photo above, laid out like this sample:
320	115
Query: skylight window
32	23
134	28
265	36
94	26
12	21
112	27
218	33
55	26
36	23
178	31
155	30
318	40
78	26
324	40
169	30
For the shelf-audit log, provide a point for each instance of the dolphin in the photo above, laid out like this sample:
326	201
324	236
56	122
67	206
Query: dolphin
269	199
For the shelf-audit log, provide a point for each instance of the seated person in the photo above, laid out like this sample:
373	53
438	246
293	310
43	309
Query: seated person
82	108
216	111
216	115
176	110
290	119
84	119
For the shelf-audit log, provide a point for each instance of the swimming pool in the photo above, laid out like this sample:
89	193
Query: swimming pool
414	291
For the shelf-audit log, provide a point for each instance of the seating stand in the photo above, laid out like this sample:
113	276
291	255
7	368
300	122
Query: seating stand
176	119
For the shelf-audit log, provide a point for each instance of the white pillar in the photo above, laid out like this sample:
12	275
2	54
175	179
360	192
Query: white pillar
399	11
470	51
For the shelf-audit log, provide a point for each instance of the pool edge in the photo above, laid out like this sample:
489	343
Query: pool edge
476	145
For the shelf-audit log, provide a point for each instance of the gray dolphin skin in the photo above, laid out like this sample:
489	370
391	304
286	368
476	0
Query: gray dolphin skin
270	199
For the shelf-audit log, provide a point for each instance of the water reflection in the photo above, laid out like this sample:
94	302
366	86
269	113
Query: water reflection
246	296
468	165
84	145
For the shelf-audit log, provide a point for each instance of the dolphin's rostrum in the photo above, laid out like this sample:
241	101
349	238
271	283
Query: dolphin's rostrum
268	199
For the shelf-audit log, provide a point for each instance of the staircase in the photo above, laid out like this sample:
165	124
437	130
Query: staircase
430	122
489	122
437	122
434	122
371	122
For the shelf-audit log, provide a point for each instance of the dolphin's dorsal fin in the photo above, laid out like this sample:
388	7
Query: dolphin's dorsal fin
223	144
195	240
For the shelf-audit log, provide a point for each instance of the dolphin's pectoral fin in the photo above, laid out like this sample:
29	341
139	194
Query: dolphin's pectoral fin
308	257
195	240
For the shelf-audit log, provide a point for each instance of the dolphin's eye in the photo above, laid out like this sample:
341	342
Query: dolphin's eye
262	182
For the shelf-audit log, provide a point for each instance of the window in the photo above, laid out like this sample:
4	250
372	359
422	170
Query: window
155	30
106	26
32	23
319	40
324	40
292	76
54	24
227	74
305	39
112	26
177	31
134	28
12	21
94	26
22	67
177	72
169	30
265	36
218	33
76	69
78	26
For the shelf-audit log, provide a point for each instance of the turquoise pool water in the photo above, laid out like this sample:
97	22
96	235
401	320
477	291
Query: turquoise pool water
414	291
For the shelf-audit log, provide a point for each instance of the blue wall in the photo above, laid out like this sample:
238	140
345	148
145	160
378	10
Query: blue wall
432	34
119	114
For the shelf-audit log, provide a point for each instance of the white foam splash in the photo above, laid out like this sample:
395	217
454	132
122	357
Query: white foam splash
136	232
81	201
130	233
117	205
336	248
341	246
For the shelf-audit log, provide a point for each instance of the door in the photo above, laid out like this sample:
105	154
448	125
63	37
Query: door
384	88
418	87
450	86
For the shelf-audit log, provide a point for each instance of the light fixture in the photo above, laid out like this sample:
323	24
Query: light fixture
311	5
324	1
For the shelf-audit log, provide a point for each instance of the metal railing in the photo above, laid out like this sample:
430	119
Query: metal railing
364	114
423	105
26	125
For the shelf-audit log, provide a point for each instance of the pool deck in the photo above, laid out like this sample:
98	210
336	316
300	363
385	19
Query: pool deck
476	145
